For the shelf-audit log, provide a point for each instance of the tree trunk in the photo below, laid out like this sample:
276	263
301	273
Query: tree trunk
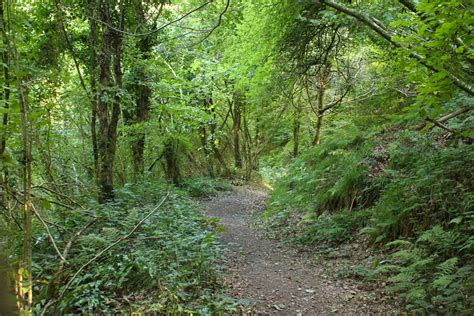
138	116
250	158
108	100
320	111
26	266
25	269
317	136
212	140
236	131
171	160
6	79
5	200
94	90
296	133
205	148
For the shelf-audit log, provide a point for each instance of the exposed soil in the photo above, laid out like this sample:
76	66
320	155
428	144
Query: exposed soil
277	279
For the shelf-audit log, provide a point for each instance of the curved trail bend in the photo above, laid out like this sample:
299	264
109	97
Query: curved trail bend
277	280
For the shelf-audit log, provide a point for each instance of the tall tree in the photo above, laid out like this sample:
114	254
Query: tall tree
106	84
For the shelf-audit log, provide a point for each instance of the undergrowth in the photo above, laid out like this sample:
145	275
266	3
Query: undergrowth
205	187
410	193
168	266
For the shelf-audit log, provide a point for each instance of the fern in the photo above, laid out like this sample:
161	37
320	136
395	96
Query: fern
447	267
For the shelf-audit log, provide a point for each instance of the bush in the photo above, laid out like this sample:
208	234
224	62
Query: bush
320	183
205	187
169	265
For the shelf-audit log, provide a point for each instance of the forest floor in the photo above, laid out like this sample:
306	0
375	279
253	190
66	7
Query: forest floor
278	279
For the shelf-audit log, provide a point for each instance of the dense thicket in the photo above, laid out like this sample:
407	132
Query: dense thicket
114	113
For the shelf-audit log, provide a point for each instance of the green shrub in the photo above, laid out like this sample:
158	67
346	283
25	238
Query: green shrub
334	228
325	177
427	184
319	184
205	187
169	265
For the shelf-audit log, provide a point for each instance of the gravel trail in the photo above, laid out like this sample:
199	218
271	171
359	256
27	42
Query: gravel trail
276	279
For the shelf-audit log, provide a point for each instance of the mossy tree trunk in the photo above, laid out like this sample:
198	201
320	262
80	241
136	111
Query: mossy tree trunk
107	83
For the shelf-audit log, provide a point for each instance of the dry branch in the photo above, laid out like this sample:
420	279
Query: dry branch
46	227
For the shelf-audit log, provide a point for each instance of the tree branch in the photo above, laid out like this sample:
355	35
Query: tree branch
367	20
440	125
47	232
157	29
454	114
408	4
219	21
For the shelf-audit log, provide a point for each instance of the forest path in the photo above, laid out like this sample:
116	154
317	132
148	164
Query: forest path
276	279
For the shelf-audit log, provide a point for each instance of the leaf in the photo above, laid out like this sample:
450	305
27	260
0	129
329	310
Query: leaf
458	220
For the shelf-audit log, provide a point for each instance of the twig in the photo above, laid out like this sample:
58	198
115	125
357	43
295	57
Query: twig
445	117
62	262
440	125
50	201
47	231
453	132
454	114
155	161
62	195
157	29
219	21
71	241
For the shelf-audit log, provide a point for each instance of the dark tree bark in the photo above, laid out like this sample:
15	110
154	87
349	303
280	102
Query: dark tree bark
236	115
209	108
94	91
205	148
27	180
106	108
138	115
171	160
6	78
5	96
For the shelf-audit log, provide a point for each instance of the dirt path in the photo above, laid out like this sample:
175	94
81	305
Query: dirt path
277	280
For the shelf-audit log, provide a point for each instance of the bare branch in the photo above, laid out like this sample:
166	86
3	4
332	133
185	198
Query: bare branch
157	29
51	238
440	125
61	195
454	114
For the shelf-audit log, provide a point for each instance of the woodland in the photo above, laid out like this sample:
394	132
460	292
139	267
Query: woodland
119	116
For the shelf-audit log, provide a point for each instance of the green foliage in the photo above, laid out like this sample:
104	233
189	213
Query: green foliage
409	193
432	274
205	187
334	228
168	266
426	184
326	177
